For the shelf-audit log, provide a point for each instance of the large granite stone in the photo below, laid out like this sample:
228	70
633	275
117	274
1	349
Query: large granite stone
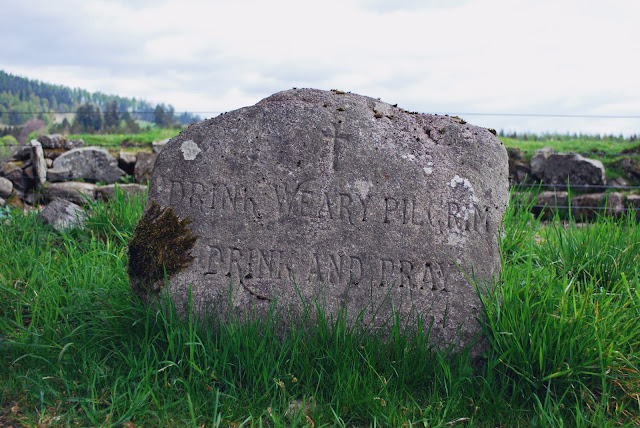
329	198
91	164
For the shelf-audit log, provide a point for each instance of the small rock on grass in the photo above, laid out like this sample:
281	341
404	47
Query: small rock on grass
62	214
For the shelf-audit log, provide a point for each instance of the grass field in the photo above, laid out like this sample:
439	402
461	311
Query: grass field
146	137
577	144
77	349
582	144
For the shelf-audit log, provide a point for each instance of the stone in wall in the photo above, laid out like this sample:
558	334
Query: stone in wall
91	164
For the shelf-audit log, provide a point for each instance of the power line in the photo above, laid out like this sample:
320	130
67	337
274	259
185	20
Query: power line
119	112
549	115
552	115
574	186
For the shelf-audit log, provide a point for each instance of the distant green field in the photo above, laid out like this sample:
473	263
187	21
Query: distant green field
112	140
582	144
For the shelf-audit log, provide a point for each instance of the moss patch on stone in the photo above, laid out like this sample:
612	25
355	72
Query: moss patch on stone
161	243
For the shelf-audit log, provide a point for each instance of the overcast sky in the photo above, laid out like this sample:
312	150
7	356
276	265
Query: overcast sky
563	57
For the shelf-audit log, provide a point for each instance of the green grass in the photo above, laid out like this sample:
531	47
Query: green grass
146	137
77	349
581	144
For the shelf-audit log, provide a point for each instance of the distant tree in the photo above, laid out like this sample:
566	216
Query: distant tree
188	118
163	116
131	126
158	115
33	125
111	117
88	119
61	128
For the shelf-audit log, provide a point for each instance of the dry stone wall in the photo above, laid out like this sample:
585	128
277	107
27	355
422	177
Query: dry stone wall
53	166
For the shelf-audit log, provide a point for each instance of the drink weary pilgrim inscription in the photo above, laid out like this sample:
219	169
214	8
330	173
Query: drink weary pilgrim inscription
337	198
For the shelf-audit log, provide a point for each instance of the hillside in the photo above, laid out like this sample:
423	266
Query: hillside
22	99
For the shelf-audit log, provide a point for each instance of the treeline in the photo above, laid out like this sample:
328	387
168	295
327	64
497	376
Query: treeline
566	137
23	99
90	119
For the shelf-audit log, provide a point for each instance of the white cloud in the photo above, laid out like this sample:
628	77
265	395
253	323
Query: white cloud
542	56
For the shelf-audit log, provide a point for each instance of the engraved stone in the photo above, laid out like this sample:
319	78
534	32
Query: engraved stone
340	200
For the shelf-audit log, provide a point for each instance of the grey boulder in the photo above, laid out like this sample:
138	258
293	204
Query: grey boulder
91	164
62	214
560	169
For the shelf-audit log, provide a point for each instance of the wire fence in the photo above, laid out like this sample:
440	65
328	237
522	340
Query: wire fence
442	113
584	187
8	149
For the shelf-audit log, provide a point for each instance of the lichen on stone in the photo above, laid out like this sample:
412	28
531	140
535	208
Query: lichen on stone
161	243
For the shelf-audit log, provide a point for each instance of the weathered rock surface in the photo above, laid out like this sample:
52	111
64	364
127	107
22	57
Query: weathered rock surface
633	202
558	169
127	161
73	191
23	153
56	175
550	202
588	206
157	146
144	166
14	173
62	214
38	162
52	141
58	141
631	167
90	163
14	201
6	187
338	199
521	172
618	182
108	191
615	204
537	160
